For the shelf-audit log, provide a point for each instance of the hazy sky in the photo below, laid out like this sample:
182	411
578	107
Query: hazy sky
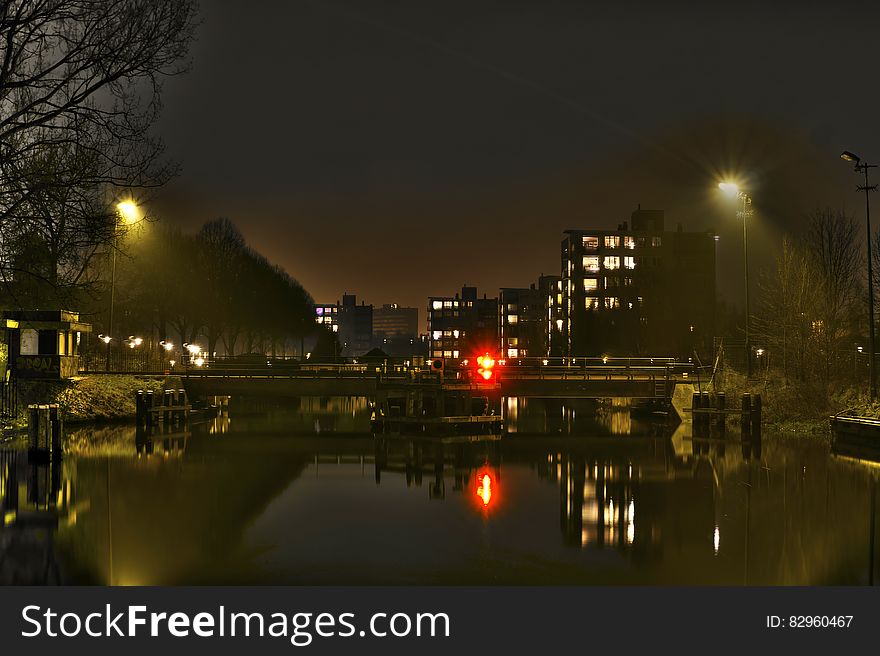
400	149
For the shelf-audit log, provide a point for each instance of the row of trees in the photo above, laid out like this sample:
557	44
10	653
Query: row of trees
811	314
80	89
211	286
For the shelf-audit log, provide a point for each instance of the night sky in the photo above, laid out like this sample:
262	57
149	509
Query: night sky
397	150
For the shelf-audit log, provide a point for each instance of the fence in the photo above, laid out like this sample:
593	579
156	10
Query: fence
8	398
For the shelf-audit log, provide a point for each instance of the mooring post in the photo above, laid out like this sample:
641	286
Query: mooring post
746	416
696	405
706	416
721	420
139	407
55	427
756	418
148	407
33	426
169	401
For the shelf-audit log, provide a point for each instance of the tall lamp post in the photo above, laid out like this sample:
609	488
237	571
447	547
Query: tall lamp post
862	167
732	189
126	211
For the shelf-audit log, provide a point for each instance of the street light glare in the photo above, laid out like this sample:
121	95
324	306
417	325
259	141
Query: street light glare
128	210
730	188
847	156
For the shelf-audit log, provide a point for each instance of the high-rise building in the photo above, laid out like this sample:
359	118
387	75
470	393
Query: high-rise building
462	326
638	290
522	322
551	292
393	321
352	323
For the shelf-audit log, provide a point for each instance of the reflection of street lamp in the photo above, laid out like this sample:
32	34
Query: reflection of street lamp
732	189
863	167
128	212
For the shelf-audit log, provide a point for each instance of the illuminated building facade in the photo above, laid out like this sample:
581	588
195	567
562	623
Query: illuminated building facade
463	325
638	290
522	322
352	323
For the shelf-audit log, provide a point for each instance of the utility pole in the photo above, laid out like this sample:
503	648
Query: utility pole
862	167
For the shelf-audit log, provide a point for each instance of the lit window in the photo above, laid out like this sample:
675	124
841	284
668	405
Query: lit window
655	241
447	354
591	303
437	334
629	242
455	354
513	341
447	304
559	325
437	305
612	262
512	319
591	243
591	263
612	241
559	298
335	329
590	284
629	262
511	307
455	334
611	302
512	353
437	354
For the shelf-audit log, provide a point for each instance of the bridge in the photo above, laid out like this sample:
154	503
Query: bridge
640	378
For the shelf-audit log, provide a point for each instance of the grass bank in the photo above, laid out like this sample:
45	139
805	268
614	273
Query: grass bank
86	399
797	406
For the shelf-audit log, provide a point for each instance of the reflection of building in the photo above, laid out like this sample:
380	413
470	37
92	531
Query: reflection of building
638	290
462	326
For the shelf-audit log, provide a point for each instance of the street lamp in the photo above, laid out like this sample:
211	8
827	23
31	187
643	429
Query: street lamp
732	189
862	167
128	212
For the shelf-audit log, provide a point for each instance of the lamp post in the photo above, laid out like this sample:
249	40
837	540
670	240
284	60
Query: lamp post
127	211
862	167
745	213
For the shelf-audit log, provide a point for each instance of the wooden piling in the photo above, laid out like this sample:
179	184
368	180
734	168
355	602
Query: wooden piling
746	414
55	428
721	419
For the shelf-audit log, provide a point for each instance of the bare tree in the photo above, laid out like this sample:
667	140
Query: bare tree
833	252
80	86
786	308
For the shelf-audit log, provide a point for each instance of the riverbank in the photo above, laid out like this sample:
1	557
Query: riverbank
85	399
801	407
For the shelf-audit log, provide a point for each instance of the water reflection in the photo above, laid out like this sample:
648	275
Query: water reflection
260	496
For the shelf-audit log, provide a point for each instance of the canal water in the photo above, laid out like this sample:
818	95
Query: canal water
301	493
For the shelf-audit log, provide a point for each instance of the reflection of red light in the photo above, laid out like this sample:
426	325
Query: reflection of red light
486	373
485	488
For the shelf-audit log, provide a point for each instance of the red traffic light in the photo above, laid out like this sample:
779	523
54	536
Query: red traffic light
486	366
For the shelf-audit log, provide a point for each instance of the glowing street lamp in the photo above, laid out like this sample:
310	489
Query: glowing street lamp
732	189
862	167
128	212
